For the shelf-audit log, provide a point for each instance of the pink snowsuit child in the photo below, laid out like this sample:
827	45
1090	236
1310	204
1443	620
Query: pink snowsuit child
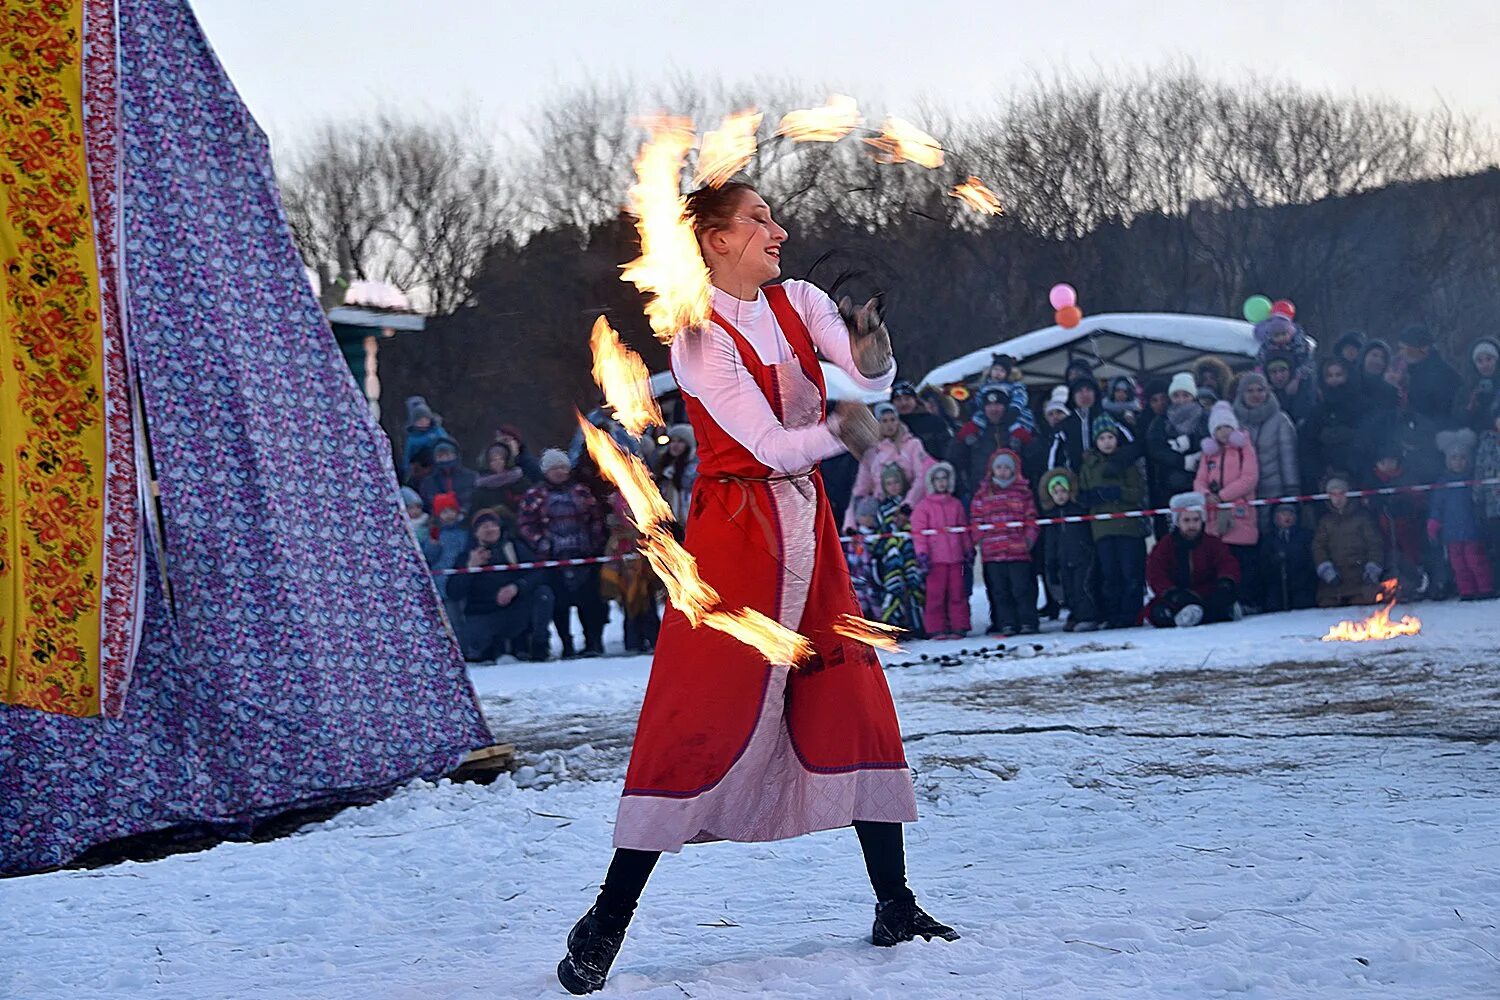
944	555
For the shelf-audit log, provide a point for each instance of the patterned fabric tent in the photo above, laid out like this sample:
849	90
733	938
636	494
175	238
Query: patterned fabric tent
262	634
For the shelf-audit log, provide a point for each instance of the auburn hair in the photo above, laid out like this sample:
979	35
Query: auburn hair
712	208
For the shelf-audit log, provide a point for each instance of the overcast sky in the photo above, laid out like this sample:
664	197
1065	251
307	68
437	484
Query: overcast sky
297	62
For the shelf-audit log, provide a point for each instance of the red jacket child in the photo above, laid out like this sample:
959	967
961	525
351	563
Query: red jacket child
995	505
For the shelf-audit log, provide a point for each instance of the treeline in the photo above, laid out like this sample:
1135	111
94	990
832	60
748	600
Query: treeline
1164	192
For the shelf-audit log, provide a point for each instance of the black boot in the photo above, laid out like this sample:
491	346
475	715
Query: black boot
593	944
901	919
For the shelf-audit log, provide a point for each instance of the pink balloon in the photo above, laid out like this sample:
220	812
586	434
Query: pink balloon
1062	296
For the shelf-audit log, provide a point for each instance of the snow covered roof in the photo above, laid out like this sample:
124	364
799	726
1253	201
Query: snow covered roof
840	386
376	295
1118	343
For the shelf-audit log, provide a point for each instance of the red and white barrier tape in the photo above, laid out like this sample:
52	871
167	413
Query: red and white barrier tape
986	526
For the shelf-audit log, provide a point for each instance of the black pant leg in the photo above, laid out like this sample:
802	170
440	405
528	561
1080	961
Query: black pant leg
624	883
992	590
885	858
1023	585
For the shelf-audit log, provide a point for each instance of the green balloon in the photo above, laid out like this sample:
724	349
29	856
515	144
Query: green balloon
1257	308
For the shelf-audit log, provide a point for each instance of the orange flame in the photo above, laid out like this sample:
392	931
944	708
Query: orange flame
725	151
830	123
669	269
902	142
877	634
1378	625
625	380
676	567
974	194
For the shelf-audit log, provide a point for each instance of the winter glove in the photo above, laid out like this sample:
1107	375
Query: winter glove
1434	528
1180	444
869	340
1372	572
1327	573
854	425
1190	462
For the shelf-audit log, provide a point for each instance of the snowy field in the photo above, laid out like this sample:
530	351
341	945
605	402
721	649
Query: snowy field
1235	811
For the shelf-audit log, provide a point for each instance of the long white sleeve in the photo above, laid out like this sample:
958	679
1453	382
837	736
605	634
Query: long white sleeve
830	335
708	366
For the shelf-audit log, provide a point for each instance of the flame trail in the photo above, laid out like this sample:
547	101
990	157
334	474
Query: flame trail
974	194
877	634
902	142
676	567
1378	625
725	151
624	379
669	268
830	123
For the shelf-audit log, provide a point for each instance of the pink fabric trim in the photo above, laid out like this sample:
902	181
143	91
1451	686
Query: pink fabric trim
122	589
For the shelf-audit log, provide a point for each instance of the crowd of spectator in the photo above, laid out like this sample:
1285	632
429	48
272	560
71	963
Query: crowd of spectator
952	468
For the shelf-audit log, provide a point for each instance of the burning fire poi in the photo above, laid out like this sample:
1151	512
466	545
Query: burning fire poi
974	194
1378	625
625	380
726	150
902	142
830	123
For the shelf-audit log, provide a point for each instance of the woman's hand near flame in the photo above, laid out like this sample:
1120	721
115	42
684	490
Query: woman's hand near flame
869	339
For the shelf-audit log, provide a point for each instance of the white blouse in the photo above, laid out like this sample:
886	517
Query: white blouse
707	366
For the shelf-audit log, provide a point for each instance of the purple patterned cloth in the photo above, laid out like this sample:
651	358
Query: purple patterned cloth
303	657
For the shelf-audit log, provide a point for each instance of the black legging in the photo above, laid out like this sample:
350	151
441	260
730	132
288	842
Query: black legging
882	844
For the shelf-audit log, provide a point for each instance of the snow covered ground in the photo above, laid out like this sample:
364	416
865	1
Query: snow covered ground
1235	811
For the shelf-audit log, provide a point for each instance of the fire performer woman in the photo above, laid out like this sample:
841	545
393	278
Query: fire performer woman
729	747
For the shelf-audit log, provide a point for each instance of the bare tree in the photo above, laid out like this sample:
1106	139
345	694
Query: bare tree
414	203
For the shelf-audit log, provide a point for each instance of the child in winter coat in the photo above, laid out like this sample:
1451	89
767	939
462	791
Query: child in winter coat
445	547
859	552
1109	485
1453	519
901	583
417	518
943	556
1487	466
1287	573
1347	549
1227	477
1278	336
1006	552
1070	551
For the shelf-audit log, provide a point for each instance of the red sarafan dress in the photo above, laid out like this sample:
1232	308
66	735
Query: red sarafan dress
730	747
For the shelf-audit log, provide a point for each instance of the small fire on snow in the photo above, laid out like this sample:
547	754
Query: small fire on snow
1378	625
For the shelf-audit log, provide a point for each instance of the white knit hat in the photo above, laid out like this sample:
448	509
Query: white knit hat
1187	501
1183	382
554	458
1057	401
1222	415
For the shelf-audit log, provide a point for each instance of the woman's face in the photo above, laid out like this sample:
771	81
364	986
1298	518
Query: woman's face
1255	393
890	423
676	447
750	245
1279	376
1375	363
1182	398
499	458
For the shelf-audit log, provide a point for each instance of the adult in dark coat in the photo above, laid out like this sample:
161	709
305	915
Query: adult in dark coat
1288	574
929	428
504	612
1475	405
1369	375
1430	381
1174	442
970	450
1330	435
1349	348
1193	574
1078	430
448	475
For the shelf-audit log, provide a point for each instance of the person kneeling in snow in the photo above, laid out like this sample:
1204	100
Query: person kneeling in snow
1195	577
503	612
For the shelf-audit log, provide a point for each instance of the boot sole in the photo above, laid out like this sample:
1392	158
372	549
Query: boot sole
572	982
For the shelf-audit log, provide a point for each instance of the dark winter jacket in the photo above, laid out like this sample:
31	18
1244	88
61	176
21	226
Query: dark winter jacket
1067	546
478	590
1287	571
1078	437
1430	387
931	429
450	478
1176	563
1167	451
1329	438
1106	486
563	522
969	453
1474	406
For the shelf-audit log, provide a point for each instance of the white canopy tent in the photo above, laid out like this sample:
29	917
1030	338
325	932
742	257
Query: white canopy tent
1137	344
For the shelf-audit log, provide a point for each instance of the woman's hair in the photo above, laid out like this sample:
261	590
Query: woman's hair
712	208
